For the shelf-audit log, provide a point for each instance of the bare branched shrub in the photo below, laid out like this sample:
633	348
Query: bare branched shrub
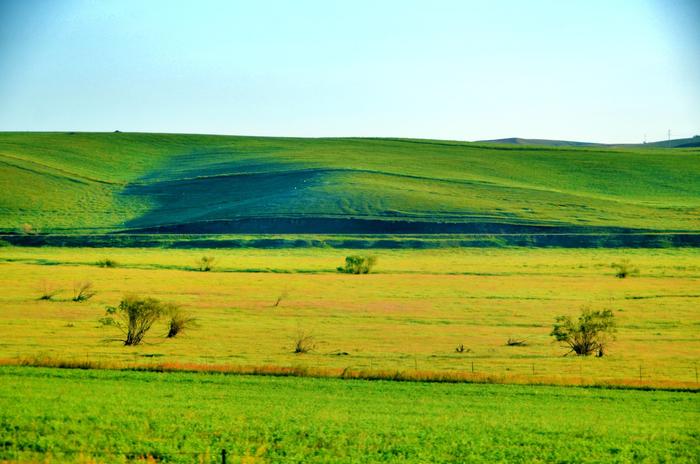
134	316
82	291
107	262
590	333
179	321
282	296
357	264
48	290
624	269
304	342
512	341
205	263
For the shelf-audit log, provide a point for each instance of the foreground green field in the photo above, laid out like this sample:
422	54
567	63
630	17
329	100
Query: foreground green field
73	416
408	316
97	181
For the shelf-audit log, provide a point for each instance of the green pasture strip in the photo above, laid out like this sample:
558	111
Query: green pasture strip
111	416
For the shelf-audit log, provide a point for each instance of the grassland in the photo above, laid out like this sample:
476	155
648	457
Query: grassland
73	416
408	316
86	182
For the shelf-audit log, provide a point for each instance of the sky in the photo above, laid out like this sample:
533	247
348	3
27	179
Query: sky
589	70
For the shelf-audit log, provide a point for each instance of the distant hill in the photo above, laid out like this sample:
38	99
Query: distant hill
543	142
107	182
674	143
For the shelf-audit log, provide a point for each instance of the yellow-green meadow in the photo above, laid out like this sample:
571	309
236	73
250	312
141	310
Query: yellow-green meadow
410	314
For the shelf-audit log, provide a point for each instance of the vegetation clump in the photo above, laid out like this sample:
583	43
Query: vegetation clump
205	263
48	290
358	264
134	316
624	269
462	349
304	342
283	295
28	229
512	341
107	262
589	334
179	321
82	291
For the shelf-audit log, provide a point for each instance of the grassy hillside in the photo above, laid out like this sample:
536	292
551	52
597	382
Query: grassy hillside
116	181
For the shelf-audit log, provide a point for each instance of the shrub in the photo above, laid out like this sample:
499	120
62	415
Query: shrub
48	290
205	263
589	334
304	342
179	321
280	297
106	262
357	264
27	229
82	291
516	342
462	349
624	269
134	316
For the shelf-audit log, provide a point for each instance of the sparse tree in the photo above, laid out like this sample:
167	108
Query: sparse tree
134	316
624	269
589	334
358	264
83	291
206	263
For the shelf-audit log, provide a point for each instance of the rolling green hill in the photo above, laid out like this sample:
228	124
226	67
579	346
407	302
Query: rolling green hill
103	182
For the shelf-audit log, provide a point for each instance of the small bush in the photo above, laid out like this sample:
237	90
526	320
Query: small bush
590	334
304	342
357	264
27	229
48	290
205	263
516	342
82	291
106	262
179	321
134	317
283	295
624	269
462	349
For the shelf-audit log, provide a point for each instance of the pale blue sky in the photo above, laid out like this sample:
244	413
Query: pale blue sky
595	70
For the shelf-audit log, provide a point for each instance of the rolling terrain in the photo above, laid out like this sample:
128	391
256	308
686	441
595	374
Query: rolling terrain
112	182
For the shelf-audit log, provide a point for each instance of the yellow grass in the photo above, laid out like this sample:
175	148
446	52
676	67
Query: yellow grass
409	317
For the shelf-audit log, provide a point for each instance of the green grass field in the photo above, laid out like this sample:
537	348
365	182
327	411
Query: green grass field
102	182
74	416
409	315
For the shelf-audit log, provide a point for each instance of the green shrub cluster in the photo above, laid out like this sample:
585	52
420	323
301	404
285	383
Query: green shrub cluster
358	264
